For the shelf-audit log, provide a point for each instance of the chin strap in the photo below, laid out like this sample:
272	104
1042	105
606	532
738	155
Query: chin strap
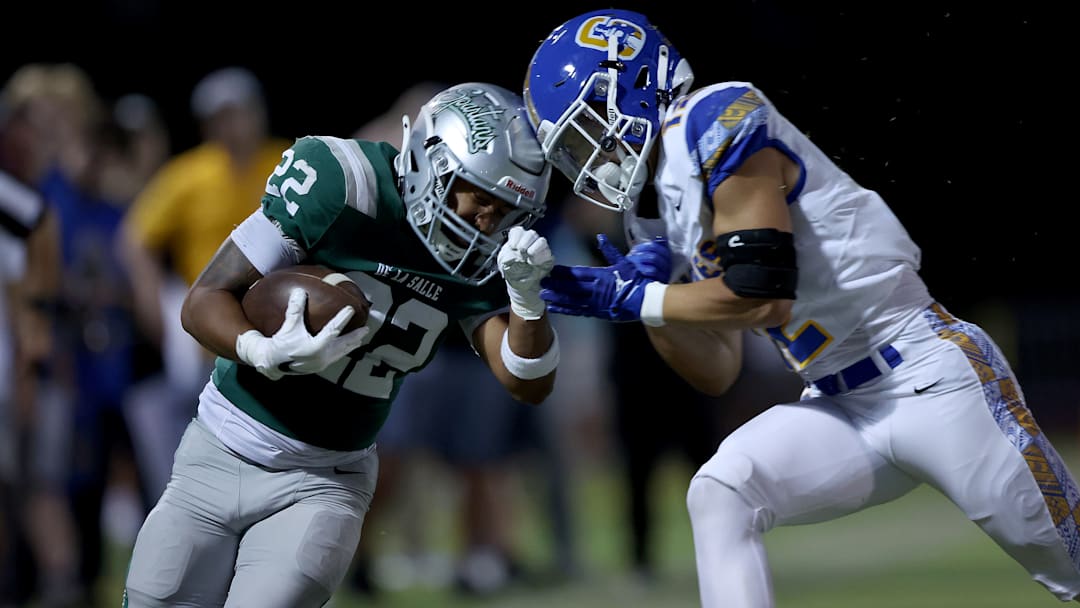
613	65
663	95
400	161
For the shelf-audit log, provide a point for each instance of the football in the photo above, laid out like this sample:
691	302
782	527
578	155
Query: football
328	291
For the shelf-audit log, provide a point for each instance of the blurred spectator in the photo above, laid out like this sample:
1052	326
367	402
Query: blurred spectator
387	126
455	418
172	229
40	115
143	146
450	415
690	425
96	333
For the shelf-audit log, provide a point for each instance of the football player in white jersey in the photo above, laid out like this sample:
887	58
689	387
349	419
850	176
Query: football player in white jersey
758	229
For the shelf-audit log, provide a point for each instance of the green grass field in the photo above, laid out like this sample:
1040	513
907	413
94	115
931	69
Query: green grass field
917	552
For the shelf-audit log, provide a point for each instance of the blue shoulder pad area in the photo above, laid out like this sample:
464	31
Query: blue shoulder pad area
723	129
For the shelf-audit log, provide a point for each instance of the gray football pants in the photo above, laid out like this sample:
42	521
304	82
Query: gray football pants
228	532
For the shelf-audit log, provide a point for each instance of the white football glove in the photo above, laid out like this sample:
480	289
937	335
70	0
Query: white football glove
524	259
292	350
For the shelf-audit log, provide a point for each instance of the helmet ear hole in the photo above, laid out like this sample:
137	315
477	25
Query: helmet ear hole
409	161
642	80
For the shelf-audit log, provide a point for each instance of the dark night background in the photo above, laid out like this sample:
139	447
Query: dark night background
960	114
955	113
949	111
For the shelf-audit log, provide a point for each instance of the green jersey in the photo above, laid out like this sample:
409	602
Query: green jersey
338	200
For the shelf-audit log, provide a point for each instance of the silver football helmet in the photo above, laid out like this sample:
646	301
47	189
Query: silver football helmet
477	132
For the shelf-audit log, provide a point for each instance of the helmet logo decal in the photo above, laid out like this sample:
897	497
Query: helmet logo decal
482	130
521	189
440	188
594	33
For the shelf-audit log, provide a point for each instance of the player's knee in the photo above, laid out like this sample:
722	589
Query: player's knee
326	552
710	497
161	561
720	491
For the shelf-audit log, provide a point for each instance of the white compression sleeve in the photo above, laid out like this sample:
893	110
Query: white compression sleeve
264	245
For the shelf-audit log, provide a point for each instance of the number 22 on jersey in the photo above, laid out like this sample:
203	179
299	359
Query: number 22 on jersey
358	371
291	183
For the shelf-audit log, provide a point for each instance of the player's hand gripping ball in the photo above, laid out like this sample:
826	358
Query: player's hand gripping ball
328	291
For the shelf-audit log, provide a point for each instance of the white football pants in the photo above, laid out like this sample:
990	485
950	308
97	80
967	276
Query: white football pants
228	532
969	435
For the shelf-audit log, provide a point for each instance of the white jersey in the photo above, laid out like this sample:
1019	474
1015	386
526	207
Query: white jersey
858	268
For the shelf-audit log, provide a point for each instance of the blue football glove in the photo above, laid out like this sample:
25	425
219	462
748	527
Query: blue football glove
613	293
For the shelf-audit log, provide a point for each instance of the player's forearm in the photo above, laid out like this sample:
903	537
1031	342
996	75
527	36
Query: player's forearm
36	297
531	391
529	339
147	280
39	288
528	375
534	341
711	304
214	318
211	312
709	360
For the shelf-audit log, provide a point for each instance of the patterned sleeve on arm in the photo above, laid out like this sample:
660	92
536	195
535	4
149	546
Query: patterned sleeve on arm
723	129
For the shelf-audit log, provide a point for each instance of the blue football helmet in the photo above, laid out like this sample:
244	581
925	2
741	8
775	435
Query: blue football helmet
596	92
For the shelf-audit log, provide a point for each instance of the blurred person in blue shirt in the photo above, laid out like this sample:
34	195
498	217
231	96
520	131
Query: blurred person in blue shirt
96	333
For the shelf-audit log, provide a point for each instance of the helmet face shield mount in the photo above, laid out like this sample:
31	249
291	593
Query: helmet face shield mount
603	157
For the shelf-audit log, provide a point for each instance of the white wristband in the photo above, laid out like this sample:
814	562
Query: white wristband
530	369
652	304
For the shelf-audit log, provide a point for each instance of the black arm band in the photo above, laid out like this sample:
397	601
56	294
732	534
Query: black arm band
759	263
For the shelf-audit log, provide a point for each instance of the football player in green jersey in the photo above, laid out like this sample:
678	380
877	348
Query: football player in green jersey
274	475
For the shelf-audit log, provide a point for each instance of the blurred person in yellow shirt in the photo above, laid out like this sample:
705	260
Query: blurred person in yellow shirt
171	231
